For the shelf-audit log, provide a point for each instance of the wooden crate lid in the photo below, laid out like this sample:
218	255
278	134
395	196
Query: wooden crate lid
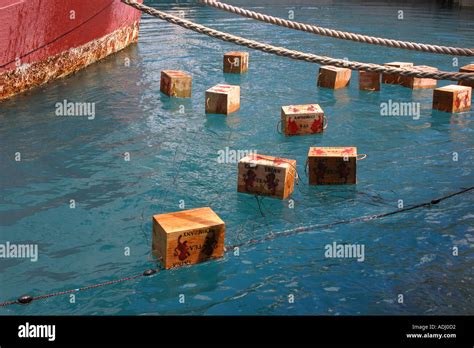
452	88
302	109
269	161
175	73
188	220
399	64
425	68
332	151
333	68
467	68
237	53
222	88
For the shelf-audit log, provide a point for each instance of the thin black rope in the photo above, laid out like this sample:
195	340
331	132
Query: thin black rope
24	300
270	236
365	218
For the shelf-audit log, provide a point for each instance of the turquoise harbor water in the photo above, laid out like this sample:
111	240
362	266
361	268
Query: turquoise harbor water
174	147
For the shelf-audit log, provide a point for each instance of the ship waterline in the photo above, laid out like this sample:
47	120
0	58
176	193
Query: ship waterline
101	28
31	75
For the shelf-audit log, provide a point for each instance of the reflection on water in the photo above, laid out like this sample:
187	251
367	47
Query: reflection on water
173	148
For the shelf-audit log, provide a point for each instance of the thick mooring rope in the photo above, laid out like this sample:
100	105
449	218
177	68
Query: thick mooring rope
298	55
286	53
25	300
343	35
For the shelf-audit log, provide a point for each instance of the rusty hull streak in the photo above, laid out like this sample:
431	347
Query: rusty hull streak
65	63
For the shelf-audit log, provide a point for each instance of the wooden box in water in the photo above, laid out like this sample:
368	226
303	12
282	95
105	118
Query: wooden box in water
302	119
175	83
419	82
187	237
334	77
236	62
222	99
395	79
266	175
452	98
332	165
467	69
369	81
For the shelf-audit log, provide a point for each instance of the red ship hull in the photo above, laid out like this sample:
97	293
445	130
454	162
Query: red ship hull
42	40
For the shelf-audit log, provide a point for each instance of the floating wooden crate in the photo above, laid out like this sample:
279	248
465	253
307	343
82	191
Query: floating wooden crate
302	119
236	62
419	82
222	99
266	175
187	237
467	69
175	83
369	81
332	165
395	79
452	98
333	77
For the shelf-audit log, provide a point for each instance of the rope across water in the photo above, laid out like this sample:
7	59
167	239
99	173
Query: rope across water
28	299
343	35
270	236
286	53
298	55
